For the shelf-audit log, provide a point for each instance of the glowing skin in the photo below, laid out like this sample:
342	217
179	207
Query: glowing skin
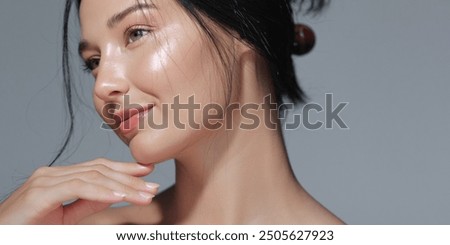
150	56
151	70
222	176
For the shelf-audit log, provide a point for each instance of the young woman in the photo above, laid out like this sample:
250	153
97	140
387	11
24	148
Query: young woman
197	81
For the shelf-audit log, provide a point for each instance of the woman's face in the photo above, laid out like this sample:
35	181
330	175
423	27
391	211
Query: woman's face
144	56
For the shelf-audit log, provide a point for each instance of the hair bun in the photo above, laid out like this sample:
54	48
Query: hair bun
305	39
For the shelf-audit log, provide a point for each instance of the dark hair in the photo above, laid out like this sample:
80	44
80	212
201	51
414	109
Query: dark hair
265	25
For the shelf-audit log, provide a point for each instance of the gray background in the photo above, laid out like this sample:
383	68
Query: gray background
389	59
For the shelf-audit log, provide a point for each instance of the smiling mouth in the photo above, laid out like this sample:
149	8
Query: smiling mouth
132	119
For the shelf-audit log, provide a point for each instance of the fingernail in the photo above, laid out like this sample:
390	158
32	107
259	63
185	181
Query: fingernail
146	195
119	194
152	186
143	167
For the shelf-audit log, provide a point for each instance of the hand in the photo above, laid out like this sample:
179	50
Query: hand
92	186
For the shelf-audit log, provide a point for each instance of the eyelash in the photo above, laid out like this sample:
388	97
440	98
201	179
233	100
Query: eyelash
87	67
87	64
134	28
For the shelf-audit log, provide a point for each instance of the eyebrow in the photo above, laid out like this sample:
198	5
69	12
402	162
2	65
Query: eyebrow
115	19
121	15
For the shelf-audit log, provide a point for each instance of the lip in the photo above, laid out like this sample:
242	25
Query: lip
129	117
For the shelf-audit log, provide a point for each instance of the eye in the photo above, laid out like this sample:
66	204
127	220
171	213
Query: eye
135	34
91	64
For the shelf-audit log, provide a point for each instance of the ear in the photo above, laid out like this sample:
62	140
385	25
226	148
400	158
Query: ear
253	69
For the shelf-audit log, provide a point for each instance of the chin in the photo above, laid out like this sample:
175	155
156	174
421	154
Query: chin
154	147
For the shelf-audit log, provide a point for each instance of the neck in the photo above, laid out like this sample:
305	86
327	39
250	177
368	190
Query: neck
250	176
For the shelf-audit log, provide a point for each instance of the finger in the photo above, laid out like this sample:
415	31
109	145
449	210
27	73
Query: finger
39	174
134	188
123	167
78	189
132	169
124	179
100	175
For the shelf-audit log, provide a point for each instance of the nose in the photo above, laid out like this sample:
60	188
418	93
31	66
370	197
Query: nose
111	83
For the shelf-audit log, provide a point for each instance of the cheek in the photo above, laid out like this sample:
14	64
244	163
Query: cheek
178	67
180	70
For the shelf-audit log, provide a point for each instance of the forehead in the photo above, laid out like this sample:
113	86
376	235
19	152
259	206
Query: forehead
102	10
99	10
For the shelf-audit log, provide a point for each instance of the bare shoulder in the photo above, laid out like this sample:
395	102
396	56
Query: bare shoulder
138	215
308	211
318	216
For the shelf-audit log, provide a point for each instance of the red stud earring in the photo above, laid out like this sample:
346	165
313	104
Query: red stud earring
305	39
